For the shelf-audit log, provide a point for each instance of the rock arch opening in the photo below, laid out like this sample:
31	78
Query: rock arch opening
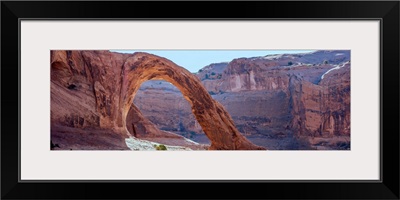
164	105
215	121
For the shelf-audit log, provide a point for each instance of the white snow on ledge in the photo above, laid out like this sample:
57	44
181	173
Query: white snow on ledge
272	57
191	141
136	144
337	67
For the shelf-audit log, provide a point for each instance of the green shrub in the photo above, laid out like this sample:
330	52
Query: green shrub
160	147
325	62
212	73
290	63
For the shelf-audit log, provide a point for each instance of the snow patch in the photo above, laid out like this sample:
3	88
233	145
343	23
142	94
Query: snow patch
290	56
136	144
277	56
191	141
337	67
273	57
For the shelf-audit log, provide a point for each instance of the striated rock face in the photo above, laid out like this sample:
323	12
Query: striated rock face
306	93
272	99
81	106
271	72
94	90
323	109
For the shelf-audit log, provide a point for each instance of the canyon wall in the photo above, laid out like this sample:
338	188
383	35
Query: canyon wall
277	96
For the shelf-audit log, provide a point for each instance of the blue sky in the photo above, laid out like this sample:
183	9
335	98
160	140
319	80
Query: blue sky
193	60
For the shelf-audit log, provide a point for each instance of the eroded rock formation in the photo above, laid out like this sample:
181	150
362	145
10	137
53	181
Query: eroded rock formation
306	93
273	98
93	91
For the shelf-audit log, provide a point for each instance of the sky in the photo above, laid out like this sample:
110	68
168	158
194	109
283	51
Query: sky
193	60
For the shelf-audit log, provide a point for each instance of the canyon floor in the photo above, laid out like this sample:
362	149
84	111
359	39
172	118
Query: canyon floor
284	143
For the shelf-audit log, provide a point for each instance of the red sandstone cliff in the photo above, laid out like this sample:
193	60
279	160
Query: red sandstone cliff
271	99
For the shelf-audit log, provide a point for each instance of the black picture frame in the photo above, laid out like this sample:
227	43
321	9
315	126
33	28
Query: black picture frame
386	11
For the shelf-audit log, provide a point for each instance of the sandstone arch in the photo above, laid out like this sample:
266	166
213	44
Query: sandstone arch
211	115
105	83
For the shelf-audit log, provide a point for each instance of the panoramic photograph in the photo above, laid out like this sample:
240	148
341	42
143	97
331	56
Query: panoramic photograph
184	100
